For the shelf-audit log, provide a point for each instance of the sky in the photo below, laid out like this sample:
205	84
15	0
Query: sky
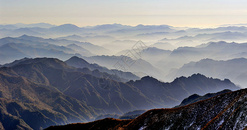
180	13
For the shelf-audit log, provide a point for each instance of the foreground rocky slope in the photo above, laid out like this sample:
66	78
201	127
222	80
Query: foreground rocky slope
225	111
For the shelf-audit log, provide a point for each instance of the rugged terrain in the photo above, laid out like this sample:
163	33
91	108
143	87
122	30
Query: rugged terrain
225	111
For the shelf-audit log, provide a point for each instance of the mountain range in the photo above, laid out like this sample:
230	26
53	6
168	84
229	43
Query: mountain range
225	111
53	75
59	94
107	33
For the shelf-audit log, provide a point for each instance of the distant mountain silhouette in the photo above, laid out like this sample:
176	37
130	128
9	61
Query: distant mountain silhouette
85	45
127	115
34	25
106	33
65	29
32	47
108	123
132	114
80	50
12	51
225	111
108	27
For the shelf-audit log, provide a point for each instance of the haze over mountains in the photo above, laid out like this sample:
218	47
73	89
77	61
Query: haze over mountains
109	34
167	46
67	74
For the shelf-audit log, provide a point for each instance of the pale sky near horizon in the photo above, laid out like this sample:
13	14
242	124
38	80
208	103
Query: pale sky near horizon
191	13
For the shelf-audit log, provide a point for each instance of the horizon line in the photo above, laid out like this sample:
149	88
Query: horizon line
134	25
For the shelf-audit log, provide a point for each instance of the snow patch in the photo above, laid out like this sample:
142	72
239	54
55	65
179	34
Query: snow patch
220	123
168	127
142	128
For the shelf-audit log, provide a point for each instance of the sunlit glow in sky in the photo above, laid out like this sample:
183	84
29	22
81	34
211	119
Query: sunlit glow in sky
191	13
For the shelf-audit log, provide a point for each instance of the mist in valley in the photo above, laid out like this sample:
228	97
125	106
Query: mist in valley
164	52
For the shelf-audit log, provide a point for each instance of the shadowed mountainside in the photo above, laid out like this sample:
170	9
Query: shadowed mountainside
22	99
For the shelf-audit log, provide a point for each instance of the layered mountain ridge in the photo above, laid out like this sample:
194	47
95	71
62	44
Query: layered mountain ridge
67	74
63	94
